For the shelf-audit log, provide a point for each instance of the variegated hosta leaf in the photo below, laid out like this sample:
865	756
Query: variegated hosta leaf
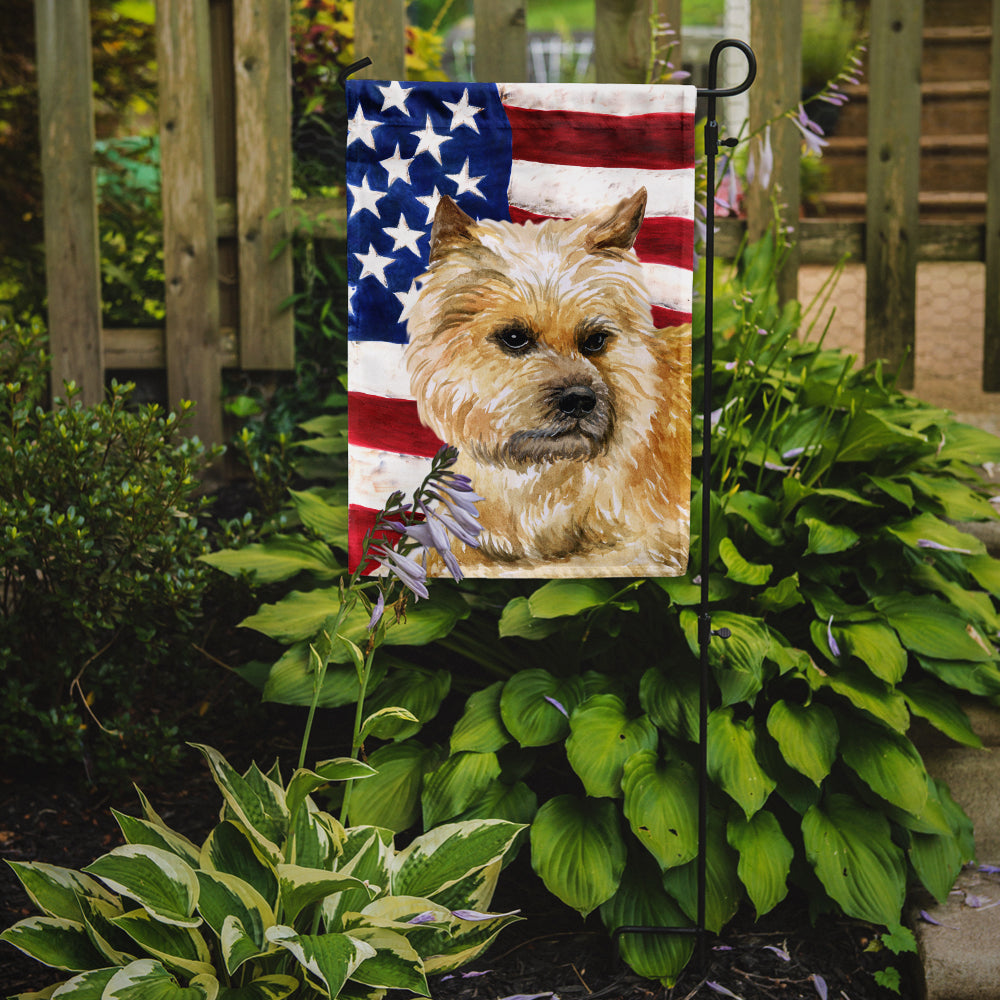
274	987
158	880
807	736
177	947
765	858
86	986
661	799
367	853
850	847
116	947
149	980
642	902
481	727
315	838
300	887
225	897
441	857
230	849
141	831
329	959
456	784
56	891
256	801
732	760
602	737
476	890
395	964
578	851
54	941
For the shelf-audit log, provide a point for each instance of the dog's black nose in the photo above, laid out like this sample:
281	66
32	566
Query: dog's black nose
576	400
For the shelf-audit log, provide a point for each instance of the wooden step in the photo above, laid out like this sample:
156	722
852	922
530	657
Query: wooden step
958	206
956	53
940	13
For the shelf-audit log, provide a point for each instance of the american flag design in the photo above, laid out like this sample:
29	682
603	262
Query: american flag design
511	152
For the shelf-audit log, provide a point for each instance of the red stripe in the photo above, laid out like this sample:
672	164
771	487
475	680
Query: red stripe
388	425
647	142
662	316
662	239
361	520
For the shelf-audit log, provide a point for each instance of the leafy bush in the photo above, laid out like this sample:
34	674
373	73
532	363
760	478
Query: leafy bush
279	899
99	539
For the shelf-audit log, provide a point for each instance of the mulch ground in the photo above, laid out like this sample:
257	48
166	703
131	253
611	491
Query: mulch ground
552	953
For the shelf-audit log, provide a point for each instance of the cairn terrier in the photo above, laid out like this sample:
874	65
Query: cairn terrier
532	350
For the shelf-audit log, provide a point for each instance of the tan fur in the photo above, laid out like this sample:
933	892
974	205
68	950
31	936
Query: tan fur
533	352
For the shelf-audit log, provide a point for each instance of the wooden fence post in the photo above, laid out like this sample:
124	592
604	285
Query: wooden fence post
380	34
893	183
776	35
991	333
262	60
501	41
190	251
623	37
72	255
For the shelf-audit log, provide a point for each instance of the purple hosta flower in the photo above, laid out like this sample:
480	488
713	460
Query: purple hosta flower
465	975
475	915
531	996
834	648
989	869
761	163
927	918
377	612
812	134
780	952
927	543
410	573
559	705
719	988
820	984
432	537
727	197
427	917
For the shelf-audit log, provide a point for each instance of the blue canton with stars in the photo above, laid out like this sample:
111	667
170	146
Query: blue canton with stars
408	144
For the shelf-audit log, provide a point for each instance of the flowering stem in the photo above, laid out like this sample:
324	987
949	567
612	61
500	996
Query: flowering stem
359	714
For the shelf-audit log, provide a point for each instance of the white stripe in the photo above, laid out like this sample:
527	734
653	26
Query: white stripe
376	367
606	99
568	191
373	475
669	286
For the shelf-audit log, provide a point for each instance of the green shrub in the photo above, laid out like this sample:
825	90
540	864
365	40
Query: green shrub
99	541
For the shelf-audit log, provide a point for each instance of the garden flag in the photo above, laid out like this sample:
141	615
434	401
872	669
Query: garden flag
519	287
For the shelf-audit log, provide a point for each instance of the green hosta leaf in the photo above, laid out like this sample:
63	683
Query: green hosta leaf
230	849
683	592
517	620
738	661
141	831
330	959
870	436
292	681
850	848
391	798
417	690
260	809
957	501
986	572
641	901
783	595
386	723
738	569
301	887
327	520
888	763
941	709
559	598
528	710
180	948
937	859
163	884
893	488
395	964
456	784
304	782
965	443
876	646
225	897
765	858
976	678
661	799
54	941
931	628
147	979
602	738
275	987
481	728
279	558
732	760
828	539
671	700
927	528
974	604
723	889
578	851
56	891
442	857
758	511
865	692
516	803
807	736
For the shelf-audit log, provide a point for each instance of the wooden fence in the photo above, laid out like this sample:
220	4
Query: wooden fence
226	160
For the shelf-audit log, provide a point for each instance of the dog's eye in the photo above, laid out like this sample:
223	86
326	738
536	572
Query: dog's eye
514	339
595	342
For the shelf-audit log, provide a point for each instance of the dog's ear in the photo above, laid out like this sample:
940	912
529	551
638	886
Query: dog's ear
617	227
452	228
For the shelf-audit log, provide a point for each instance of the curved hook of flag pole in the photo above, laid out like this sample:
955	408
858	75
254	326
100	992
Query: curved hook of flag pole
352	68
712	90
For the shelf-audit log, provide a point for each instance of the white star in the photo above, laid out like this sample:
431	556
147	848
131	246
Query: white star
430	202
395	97
403	236
364	197
408	299
397	167
360	128
374	264
430	141
463	113
351	289
466	184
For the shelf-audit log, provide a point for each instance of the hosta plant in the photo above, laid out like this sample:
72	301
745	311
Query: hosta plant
279	900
